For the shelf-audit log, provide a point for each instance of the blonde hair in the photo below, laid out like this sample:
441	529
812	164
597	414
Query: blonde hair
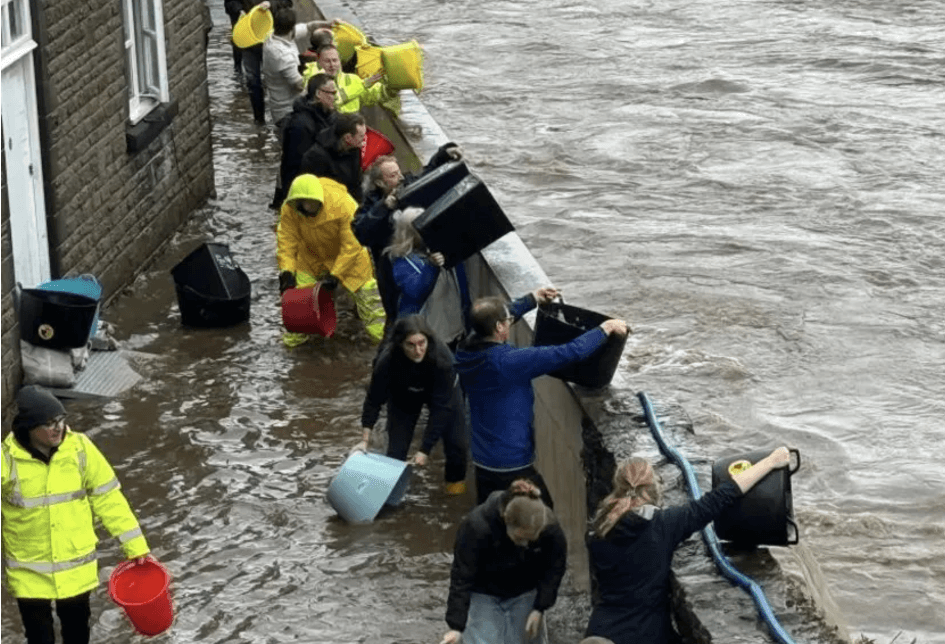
635	485
406	239
522	507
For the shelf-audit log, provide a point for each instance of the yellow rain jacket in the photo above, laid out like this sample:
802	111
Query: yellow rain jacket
326	243
352	94
48	509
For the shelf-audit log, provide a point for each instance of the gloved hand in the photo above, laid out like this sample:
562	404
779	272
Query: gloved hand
455	153
330	283
286	281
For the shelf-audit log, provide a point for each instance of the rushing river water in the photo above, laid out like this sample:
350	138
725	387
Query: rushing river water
756	186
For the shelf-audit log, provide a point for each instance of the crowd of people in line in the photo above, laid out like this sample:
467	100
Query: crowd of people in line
340	228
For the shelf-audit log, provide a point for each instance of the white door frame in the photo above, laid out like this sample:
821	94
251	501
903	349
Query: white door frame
21	147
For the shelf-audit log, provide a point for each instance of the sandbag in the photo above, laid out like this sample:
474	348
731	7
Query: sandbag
369	60
45	366
403	65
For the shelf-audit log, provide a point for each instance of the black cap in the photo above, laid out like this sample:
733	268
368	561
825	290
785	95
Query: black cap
35	407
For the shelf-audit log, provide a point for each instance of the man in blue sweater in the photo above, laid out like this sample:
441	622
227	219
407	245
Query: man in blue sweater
497	378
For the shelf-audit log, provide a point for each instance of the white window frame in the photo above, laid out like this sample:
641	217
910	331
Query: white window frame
17	33
145	57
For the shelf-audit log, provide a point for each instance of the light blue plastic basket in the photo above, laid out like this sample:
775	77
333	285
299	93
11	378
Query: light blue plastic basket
365	483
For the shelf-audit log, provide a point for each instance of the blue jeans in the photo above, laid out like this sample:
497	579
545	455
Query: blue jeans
492	620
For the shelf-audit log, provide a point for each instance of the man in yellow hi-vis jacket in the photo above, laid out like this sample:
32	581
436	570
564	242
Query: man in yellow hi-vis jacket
55	482
315	243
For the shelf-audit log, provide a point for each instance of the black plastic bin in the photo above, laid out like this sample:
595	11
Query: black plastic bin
559	323
212	290
763	516
463	221
56	319
432	185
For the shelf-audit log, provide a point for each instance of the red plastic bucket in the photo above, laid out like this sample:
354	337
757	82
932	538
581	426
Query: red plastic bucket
142	591
300	315
375	145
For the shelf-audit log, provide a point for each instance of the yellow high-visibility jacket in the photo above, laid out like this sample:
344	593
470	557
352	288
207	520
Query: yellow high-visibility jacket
48	510
352	94
326	243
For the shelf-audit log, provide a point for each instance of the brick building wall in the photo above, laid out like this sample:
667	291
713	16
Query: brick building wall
108	209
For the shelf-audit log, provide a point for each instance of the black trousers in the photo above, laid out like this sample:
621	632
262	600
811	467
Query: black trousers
488	481
400	429
252	71
74	613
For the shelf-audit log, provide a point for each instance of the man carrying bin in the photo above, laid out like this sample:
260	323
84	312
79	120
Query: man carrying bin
497	378
315	243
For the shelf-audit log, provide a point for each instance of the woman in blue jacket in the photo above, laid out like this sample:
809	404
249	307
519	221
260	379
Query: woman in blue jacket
417	270
632	542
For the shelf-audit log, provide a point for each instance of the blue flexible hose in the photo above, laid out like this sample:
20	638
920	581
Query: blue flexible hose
708	533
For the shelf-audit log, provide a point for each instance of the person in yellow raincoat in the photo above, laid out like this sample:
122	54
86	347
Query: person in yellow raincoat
55	483
316	243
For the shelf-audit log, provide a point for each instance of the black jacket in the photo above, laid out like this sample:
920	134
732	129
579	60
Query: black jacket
632	566
486	561
304	124
325	159
408	386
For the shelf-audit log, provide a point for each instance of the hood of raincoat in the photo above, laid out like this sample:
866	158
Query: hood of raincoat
306	186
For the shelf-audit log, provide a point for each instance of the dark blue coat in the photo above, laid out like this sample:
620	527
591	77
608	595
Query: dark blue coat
632	566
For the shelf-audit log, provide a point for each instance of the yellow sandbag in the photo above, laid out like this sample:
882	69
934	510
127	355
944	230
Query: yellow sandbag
347	37
369	60
404	65
252	28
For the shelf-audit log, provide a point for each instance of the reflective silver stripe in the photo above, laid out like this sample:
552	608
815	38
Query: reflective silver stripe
81	457
51	499
16	496
49	567
102	489
128	536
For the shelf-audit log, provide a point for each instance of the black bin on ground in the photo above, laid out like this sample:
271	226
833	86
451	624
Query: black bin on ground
763	516
432	185
56	319
463	221
559	323
212	290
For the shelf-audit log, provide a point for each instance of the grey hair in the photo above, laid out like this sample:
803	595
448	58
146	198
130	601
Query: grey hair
406	239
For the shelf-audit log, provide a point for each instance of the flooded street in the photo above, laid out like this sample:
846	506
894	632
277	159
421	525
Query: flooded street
226	448
756	187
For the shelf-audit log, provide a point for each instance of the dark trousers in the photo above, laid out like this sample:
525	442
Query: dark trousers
74	613
252	70
400	428
237	52
488	482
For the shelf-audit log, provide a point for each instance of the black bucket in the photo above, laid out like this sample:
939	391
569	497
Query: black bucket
463	221
56	319
212	290
432	185
763	516
559	323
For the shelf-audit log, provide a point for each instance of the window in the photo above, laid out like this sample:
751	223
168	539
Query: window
15	39
144	48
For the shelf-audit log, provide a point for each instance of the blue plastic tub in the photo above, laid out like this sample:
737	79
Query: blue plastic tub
365	483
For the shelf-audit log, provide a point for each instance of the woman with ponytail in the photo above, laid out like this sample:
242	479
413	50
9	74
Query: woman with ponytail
632	542
508	561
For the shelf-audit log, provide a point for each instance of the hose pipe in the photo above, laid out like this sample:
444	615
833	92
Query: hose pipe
708	533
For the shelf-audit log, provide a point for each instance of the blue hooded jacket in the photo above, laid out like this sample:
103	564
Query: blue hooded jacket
497	378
